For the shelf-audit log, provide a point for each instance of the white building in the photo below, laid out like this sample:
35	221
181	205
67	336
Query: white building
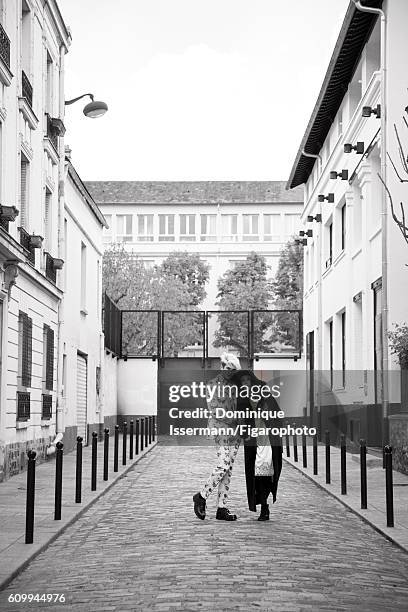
82	343
34	40
222	221
356	281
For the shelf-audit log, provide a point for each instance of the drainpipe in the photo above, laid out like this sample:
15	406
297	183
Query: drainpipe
319	299
384	216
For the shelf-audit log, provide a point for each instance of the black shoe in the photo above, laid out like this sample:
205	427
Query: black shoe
223	514
199	506
264	516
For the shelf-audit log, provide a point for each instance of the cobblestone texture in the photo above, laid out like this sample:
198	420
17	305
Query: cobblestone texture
141	548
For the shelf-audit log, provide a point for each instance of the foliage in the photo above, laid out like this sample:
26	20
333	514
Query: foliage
132	286
243	287
399	343
190	269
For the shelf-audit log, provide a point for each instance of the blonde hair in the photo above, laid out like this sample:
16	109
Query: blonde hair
229	361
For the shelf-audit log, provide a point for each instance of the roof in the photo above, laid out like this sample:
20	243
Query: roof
192	192
79	184
354	33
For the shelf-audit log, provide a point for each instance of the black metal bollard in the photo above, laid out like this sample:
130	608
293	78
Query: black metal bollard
58	481
295	450
150	429
154	427
105	453
124	443
287	445
388	486
363	473
131	435
343	464
137	437
328	477
29	532
78	475
315	462
304	451
94	460
142	423
146	430
116	450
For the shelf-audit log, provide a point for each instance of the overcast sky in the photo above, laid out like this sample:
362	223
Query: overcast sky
197	89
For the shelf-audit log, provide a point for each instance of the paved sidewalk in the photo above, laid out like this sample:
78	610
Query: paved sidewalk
141	548
375	514
14	553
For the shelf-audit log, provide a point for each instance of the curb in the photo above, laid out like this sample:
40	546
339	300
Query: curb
6	581
364	518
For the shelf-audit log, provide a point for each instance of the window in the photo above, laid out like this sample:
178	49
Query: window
229	225
25	38
48	358
329	244
250	229
166	228
272	227
25	349
49	86
357	218
145	228
343	227
291	224
208	228
124	231
187	227
107	231
83	277
47	221
24	177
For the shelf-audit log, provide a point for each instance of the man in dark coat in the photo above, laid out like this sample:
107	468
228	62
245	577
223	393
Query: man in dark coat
260	486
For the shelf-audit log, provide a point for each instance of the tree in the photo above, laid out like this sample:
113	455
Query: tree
243	287
134	287
191	270
287	288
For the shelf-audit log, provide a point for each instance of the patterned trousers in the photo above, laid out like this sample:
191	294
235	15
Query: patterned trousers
221	475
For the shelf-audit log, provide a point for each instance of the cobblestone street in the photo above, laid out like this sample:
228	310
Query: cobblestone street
140	547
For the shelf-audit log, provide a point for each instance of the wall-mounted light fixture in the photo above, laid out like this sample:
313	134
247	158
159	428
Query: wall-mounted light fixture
317	218
329	198
369	110
95	108
358	148
302	241
308	233
343	175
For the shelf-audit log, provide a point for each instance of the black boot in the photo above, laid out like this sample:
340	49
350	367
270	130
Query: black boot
199	506
264	516
223	514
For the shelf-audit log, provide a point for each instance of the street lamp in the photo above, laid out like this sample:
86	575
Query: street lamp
95	108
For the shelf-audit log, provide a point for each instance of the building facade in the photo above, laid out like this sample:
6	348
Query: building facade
355	278
222	221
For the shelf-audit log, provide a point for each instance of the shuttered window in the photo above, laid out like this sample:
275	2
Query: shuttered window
25	326
23	192
48	344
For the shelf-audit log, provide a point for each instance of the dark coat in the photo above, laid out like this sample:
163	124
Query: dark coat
250	453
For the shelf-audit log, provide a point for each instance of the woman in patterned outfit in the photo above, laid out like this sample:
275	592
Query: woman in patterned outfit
263	454
227	446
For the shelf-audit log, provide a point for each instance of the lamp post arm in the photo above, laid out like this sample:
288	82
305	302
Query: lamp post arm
67	102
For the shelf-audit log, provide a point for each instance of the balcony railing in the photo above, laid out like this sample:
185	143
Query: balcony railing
50	271
52	132
26	88
4	47
23	406
46	412
25	241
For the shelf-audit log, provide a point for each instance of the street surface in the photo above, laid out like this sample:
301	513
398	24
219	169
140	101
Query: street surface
140	547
